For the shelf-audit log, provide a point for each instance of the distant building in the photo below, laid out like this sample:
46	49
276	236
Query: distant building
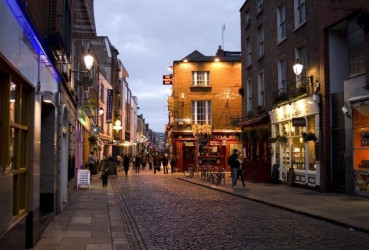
205	108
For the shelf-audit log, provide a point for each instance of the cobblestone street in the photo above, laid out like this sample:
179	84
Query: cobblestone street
162	212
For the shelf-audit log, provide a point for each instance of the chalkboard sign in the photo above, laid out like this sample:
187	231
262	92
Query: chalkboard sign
113	169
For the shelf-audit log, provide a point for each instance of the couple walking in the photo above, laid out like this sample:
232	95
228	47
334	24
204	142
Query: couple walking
235	162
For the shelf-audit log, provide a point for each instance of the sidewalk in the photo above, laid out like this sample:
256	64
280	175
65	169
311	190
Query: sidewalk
345	210
91	221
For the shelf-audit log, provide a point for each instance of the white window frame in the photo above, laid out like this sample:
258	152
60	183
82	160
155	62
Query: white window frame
196	78
261	40
282	73
249	51
259	6
196	114
261	89
299	12
249	94
281	22
300	52
247	18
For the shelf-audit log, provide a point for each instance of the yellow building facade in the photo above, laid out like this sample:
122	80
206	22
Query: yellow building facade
205	109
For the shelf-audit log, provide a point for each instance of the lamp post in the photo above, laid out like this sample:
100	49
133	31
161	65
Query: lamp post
297	69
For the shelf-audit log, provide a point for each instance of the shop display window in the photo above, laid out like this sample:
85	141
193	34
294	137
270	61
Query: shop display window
209	152
361	147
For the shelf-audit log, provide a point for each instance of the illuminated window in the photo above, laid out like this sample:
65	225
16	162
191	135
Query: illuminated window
201	112
200	78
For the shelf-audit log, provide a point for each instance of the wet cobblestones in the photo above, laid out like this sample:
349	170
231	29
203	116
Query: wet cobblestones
172	214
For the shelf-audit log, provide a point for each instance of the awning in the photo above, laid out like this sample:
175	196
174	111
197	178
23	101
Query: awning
254	121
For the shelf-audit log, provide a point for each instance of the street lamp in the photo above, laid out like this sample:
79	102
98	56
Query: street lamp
101	111
117	125
89	60
297	68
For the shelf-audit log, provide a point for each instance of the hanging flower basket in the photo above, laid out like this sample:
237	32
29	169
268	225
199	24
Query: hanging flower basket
309	137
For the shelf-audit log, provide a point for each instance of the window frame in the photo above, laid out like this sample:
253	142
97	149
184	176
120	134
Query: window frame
261	37
249	51
206	115
299	12
261	88
282	73
281	22
197	74
249	94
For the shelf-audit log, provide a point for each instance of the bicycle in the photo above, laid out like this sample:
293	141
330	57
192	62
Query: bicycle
218	176
189	170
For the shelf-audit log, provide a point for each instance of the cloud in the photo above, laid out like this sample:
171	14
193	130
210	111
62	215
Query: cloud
150	35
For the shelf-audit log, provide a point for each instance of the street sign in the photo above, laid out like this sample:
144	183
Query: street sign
168	79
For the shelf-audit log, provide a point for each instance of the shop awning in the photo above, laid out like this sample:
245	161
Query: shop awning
254	121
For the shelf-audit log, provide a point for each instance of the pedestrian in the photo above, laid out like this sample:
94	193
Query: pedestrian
105	171
157	163
143	161
235	165
91	161
119	160
165	161
126	163
173	163
137	163
151	161
240	171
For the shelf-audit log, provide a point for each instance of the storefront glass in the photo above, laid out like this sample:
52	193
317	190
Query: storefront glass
361	147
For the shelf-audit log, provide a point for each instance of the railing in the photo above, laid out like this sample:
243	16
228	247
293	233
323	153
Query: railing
280	95
299	88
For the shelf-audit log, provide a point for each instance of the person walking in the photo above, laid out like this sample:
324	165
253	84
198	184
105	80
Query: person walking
126	164
235	165
240	171
173	163
151	161
157	163
138	163
119	160
143	161
165	161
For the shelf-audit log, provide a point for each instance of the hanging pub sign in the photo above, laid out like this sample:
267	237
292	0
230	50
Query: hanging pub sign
109	106
299	122
168	79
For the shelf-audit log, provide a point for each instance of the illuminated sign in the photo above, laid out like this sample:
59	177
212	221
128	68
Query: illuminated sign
299	122
167	79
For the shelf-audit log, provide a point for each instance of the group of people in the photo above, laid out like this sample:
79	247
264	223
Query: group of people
153	160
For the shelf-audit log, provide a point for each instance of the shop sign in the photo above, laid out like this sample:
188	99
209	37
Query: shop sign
213	143
167	79
109	106
299	122
189	144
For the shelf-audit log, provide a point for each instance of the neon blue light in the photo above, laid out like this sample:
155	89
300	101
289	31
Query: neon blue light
29	32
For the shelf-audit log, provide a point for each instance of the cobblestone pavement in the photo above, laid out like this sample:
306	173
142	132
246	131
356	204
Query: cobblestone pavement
165	213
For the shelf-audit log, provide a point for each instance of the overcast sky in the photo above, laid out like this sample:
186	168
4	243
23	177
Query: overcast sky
151	34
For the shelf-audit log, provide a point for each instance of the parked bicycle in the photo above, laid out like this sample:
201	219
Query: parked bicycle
218	176
189	170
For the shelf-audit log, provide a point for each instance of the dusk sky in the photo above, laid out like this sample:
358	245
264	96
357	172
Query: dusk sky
151	34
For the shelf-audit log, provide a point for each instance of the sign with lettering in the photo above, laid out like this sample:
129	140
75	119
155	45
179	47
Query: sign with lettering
299	122
167	79
109	106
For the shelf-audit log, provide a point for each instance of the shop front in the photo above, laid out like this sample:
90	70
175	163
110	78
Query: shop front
360	117
212	150
295	143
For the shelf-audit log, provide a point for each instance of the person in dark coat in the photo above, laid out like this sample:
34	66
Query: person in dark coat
138	163
165	161
157	163
126	163
235	166
173	163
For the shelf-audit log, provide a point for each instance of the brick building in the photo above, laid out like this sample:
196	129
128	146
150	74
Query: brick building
343	56
279	107
318	119
204	108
